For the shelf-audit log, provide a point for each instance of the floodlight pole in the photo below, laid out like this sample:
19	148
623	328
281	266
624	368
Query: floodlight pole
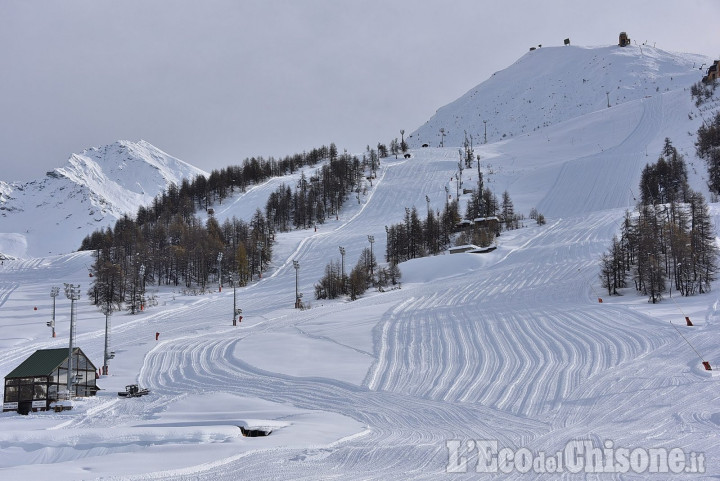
54	291
296	265
219	262
371	239
142	287
342	257
107	310
73	293
236	311
259	248
388	248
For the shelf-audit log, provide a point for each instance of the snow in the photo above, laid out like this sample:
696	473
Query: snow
510	345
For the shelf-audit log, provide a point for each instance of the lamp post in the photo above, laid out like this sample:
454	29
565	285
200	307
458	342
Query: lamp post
73	293
54	291
219	263
259	249
296	265
107	310
142	287
236	311
388	248
371	239
342	256
460	169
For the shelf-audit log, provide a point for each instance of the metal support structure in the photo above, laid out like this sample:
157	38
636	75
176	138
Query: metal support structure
73	293
137	290
479	175
260	248
236	311
296	265
460	170
388	247
107	310
485	122
342	257
219	263
54	291
371	239
142	287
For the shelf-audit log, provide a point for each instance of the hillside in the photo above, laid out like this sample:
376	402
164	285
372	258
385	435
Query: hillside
551	85
511	347
91	191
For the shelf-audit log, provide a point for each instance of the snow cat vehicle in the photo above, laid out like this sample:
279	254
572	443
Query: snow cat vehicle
133	390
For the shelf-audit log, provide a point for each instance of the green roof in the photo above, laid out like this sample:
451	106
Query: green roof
41	363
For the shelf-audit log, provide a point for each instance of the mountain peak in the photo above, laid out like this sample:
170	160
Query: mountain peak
550	85
92	190
137	167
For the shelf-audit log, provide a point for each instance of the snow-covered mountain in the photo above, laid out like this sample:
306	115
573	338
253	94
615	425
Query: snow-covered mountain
550	85
92	190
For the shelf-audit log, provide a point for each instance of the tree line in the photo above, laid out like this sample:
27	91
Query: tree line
365	274
708	148
321	196
669	241
484	217
167	244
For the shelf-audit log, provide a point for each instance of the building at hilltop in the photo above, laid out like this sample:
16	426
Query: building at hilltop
623	40
712	73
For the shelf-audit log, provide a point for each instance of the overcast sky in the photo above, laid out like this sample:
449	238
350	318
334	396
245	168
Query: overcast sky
213	81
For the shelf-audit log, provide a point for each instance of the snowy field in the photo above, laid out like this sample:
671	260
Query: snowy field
511	347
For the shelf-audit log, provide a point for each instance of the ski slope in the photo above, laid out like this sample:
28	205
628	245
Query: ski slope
511	346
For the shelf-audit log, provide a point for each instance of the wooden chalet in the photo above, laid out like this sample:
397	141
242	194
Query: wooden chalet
42	378
491	224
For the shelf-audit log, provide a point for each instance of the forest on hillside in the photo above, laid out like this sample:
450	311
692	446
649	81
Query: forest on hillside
167	244
668	242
